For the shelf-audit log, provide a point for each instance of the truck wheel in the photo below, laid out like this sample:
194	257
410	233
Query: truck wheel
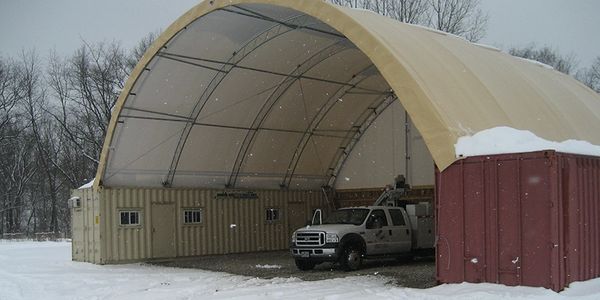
305	265
352	258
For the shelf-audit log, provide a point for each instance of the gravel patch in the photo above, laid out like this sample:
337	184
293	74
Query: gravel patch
414	273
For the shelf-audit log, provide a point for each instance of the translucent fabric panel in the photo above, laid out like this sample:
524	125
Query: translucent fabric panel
239	106
144	148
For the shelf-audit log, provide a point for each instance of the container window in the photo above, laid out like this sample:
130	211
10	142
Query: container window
192	216
272	214
397	217
130	218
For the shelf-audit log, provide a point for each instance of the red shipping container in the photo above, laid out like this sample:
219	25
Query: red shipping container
519	219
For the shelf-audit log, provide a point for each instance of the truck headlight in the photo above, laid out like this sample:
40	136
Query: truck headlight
294	237
331	238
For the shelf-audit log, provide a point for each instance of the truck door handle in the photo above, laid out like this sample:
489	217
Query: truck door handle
390	232
407	232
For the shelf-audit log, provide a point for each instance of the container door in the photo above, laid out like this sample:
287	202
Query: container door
536	234
163	230
77	234
509	224
474	223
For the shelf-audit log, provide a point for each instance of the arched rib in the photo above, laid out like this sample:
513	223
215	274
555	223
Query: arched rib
286	83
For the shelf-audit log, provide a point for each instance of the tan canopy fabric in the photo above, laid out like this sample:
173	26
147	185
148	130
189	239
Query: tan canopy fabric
268	93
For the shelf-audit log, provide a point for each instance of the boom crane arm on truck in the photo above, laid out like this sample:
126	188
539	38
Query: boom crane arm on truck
392	196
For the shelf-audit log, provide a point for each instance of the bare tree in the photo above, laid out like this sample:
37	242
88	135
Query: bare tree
547	55
16	170
17	164
9	94
460	17
52	124
33	103
591	76
407	11
86	87
138	51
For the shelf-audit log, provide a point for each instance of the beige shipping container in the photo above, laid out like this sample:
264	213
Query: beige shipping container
118	225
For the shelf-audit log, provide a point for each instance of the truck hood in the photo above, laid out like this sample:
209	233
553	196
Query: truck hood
339	229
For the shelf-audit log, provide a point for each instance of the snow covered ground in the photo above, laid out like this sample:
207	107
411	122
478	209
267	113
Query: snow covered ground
44	270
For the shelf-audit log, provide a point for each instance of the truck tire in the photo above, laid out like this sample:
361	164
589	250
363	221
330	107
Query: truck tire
352	258
305	265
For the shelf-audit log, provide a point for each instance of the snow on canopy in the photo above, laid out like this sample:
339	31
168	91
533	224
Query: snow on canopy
270	93
501	140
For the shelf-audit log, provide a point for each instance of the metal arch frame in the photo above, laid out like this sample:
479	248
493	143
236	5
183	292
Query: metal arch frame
316	121
274	98
186	60
339	162
237	56
227	126
253	14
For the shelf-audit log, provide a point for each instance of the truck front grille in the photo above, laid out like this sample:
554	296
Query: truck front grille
310	239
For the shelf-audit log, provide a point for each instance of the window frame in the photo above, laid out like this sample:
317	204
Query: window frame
138	211
192	209
272	209
401	216
385	217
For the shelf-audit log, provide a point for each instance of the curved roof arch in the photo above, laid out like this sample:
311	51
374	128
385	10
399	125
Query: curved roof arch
254	93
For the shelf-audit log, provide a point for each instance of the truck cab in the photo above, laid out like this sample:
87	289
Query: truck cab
350	234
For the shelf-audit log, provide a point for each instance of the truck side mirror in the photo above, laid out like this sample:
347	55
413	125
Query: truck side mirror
317	218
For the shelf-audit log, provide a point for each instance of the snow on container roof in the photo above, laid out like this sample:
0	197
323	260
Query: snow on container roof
244	93
500	140
87	185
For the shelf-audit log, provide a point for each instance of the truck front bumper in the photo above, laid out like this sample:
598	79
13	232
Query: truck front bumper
320	254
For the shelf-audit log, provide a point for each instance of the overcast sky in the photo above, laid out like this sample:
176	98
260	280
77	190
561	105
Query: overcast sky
568	25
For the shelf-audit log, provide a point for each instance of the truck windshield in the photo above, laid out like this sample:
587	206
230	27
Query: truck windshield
347	216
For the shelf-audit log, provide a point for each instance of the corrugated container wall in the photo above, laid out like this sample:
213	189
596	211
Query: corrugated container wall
519	219
234	222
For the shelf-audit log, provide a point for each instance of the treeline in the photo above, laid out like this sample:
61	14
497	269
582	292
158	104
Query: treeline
567	64
54	113
460	17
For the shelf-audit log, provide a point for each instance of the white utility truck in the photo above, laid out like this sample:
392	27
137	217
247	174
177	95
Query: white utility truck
350	234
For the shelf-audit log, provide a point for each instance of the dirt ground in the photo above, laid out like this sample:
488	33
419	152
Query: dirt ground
415	273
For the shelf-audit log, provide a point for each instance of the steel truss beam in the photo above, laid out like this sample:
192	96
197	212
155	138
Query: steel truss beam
316	122
183	119
352	139
252	14
268	105
190	60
